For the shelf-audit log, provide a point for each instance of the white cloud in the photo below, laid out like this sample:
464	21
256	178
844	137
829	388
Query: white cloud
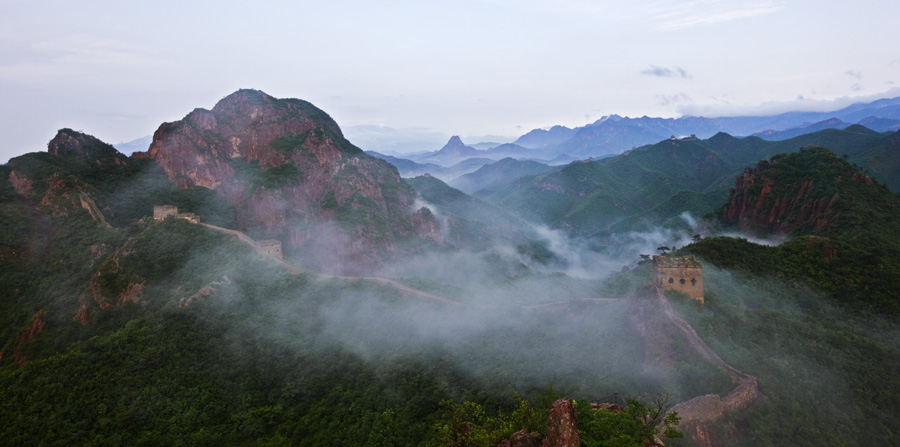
674	15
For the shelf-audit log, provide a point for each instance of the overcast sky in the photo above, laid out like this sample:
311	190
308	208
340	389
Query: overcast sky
429	69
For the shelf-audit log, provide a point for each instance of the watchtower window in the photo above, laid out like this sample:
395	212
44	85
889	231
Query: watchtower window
693	281
671	281
681	281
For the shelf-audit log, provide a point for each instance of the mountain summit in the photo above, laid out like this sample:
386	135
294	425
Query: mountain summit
291	175
456	148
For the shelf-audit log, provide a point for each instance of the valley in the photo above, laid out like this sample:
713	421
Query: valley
462	299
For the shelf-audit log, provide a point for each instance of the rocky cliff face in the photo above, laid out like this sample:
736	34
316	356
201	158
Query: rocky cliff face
291	175
64	190
808	192
70	143
753	204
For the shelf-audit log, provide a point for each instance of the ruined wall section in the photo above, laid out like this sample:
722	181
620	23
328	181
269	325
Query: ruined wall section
681	274
162	211
271	247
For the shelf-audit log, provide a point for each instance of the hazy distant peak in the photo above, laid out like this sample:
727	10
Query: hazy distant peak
455	141
613	118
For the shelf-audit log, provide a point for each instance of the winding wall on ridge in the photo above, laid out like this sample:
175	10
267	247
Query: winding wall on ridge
694	413
702	409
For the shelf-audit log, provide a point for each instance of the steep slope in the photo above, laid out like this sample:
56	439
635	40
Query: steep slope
462	205
286	168
408	168
814	192
652	185
646	186
883	161
82	168
496	175
453	152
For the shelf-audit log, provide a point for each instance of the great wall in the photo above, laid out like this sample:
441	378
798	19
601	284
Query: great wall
696	414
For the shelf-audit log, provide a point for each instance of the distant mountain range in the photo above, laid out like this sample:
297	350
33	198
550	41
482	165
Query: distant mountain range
612	135
655	184
389	302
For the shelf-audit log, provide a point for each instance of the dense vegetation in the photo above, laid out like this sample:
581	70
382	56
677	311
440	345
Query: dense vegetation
815	192
271	358
127	190
828	376
849	275
142	332
167	333
655	184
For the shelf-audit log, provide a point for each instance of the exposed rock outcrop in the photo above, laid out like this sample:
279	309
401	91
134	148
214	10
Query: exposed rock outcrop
561	429
70	143
521	438
292	176
812	191
426	225
66	194
212	289
109	287
15	352
22	185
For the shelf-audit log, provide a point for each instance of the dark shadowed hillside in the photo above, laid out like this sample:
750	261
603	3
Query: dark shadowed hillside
471	325
654	184
499	174
814	192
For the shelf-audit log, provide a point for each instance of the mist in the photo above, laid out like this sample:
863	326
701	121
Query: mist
511	321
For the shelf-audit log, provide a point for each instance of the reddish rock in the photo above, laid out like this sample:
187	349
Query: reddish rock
561	429
762	198
291	175
521	438
25	337
22	185
69	143
426	225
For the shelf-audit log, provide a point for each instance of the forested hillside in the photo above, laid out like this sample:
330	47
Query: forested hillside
118	328
655	184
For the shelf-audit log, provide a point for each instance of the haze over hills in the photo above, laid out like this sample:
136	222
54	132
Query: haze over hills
612	135
404	311
496	175
655	184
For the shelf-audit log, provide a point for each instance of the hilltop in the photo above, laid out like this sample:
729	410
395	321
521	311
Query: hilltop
407	312
291	175
655	184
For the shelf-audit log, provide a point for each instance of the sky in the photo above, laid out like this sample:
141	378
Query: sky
406	75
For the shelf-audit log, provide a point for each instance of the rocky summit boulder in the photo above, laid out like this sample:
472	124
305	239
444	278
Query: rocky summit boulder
561	428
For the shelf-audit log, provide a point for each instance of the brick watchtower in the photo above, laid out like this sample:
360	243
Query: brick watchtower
681	274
